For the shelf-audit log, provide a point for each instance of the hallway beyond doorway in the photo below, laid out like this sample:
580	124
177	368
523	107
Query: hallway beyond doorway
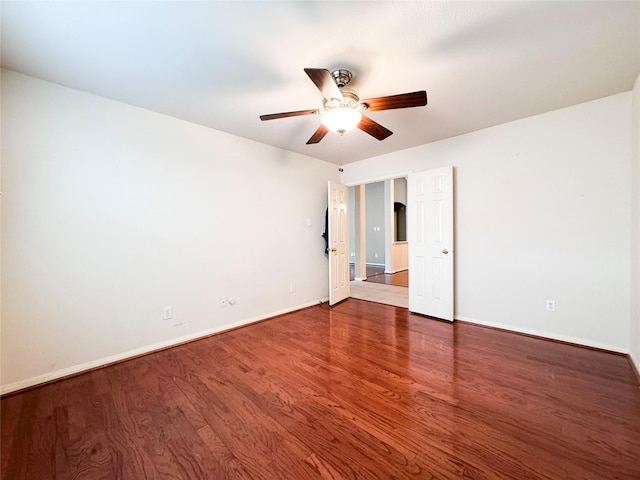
380	287
380	293
375	274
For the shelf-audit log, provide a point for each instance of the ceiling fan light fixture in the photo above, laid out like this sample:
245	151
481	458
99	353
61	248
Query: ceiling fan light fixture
341	119
342	109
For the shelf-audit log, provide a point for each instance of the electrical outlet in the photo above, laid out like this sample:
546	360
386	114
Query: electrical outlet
551	305
292	288
223	302
167	313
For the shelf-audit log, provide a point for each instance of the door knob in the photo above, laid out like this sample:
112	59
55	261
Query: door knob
333	249
445	251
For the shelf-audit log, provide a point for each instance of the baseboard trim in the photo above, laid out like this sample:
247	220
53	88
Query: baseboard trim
391	272
547	335
139	352
635	364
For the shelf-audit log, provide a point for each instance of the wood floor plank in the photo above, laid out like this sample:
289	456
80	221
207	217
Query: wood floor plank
356	391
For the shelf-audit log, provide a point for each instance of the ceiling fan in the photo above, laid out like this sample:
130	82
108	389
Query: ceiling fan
342	109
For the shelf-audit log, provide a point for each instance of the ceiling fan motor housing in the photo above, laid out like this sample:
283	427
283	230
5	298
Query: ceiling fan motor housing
342	77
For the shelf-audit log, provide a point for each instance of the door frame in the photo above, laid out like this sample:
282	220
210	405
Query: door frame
405	174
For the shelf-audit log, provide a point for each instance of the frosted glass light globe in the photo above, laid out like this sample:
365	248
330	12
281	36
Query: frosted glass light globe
341	119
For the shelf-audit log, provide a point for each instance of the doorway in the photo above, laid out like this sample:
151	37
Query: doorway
379	269
430	234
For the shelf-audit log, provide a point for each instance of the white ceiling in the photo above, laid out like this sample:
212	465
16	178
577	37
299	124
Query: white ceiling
222	64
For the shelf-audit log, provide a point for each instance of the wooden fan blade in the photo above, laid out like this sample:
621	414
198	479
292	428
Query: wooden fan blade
325	82
273	116
373	128
318	135
404	100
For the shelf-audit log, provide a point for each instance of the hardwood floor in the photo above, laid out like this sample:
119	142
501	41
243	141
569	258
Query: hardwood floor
357	391
375	274
399	279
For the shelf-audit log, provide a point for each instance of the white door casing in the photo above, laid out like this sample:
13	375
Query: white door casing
338	200
430	235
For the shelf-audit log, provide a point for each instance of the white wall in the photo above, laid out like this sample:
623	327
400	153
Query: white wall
111	212
374	199
400	190
542	212
634	342
400	230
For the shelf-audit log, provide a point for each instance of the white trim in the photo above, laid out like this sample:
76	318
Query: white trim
375	264
391	272
636	362
549	335
379	179
84	367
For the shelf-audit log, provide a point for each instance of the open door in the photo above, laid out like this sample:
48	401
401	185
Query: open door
338	243
430	236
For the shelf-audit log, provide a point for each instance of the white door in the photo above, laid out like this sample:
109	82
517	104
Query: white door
430	236
338	243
